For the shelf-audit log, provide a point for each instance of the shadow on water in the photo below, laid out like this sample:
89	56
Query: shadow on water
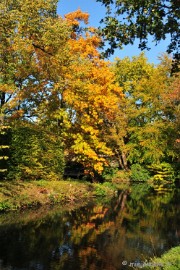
135	226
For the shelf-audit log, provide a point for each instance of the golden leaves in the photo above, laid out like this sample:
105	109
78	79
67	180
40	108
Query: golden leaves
74	18
56	75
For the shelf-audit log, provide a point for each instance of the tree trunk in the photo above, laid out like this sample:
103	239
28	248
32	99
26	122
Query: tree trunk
2	95
122	160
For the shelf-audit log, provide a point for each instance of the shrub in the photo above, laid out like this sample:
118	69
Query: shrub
139	173
100	190
168	261
105	189
163	176
4	206
162	172
109	173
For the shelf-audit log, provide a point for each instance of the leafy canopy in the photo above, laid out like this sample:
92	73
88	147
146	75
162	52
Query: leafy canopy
145	127
130	19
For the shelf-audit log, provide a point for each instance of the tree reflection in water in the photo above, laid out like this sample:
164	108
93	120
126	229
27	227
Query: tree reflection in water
134	227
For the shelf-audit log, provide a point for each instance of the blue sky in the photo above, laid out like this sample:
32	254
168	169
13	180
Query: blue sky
97	12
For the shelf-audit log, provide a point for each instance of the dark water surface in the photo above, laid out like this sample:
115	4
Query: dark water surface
134	227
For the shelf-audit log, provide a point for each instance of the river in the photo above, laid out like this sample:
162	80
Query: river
135	226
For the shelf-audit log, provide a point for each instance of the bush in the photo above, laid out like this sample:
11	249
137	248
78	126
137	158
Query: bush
163	176
138	173
109	173
162	172
105	189
168	261
100	190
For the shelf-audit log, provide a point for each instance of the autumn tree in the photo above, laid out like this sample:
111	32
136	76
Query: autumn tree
91	97
33	48
171	101
144	123
52	74
33	41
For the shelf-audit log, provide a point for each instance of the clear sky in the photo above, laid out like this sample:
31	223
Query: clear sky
97	12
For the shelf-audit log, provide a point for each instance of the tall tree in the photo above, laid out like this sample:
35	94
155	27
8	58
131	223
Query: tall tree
90	96
33	47
145	120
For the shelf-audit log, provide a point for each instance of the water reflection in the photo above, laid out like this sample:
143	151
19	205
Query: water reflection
135	226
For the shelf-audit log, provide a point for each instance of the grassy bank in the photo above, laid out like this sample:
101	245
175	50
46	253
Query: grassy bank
170	260
20	195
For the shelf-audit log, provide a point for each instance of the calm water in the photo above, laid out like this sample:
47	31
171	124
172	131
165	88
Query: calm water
135	226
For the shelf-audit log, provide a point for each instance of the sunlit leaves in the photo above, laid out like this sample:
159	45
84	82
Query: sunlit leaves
52	73
149	118
91	97
33	49
127	20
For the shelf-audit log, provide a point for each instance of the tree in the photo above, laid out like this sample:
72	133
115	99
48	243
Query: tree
90	97
171	100
33	41
147	117
128	20
33	49
52	75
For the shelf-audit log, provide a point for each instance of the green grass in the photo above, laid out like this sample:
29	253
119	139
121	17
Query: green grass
20	195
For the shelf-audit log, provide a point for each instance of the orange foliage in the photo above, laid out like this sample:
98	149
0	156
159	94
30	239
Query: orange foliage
93	94
74	18
54	73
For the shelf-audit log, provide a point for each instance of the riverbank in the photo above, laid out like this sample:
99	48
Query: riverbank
16	195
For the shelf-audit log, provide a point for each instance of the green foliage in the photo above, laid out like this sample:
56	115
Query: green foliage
99	190
109	172
138	173
35	153
148	114
4	206
109	185
139	191
168	261
140	19
105	189
33	48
